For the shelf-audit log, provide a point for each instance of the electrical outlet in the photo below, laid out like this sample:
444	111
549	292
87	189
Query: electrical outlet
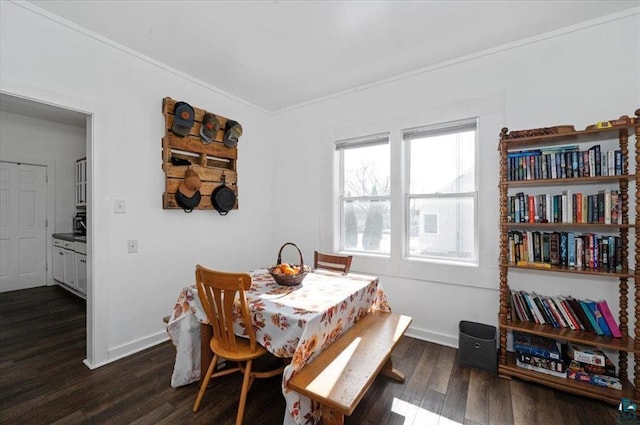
132	246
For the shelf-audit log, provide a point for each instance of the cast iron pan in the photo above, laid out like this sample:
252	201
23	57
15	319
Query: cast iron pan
223	198
188	204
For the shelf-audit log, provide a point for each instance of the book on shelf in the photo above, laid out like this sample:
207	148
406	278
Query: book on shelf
540	369
590	317
603	308
537	314
550	364
558	319
597	317
548	317
563	162
608	369
572	314
585	354
565	313
536	345
605	381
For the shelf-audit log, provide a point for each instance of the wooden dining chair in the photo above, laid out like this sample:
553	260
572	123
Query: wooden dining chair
336	263
218	291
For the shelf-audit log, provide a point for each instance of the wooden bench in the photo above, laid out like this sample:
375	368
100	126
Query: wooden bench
341	375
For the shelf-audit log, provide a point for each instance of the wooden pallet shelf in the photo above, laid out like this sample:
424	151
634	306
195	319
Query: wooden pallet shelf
213	162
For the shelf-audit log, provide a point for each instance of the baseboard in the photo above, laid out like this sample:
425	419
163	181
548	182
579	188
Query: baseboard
125	350
438	338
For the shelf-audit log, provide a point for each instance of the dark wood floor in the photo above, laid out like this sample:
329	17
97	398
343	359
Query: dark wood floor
43	381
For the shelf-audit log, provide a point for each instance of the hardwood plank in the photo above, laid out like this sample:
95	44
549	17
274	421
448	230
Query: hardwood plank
415	384
430	408
442	371
546	407
455	401
522	405
36	390
478	397
500	412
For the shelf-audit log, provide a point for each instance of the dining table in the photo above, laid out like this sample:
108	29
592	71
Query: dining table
293	322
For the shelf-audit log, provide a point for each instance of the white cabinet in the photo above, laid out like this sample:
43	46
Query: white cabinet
70	268
70	265
81	182
58	262
81	272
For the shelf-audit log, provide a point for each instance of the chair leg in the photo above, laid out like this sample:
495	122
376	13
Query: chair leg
205	382
243	393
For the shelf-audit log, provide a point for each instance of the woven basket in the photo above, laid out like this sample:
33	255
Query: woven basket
289	280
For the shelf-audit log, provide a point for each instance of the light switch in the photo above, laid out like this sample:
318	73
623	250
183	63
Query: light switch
132	246
119	206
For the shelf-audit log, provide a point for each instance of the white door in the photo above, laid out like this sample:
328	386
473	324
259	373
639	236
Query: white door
22	226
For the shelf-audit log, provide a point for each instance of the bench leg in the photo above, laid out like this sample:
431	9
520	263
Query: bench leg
390	372
331	417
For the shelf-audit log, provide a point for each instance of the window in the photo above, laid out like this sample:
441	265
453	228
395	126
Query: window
441	191
365	194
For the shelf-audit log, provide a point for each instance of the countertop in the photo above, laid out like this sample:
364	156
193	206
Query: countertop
70	237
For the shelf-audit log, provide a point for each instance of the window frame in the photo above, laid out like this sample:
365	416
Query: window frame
442	128
340	147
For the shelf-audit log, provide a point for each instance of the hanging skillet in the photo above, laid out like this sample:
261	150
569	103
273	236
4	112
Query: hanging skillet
223	198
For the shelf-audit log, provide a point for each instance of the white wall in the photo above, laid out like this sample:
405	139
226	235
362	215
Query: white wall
24	138
578	76
45	60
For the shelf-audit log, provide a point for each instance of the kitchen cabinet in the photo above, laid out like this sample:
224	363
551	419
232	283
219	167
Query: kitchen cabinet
58	263
81	267
81	182
70	265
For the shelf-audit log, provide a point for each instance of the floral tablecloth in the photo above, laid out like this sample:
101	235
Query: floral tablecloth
293	322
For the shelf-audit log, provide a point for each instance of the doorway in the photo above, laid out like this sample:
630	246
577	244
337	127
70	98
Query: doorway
38	135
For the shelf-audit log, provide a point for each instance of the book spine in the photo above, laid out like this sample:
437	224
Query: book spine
540	369
536	351
586	355
555	365
574	325
572	314
534	308
527	314
541	309
590	318
599	380
565	314
593	307
556	314
609	369
603	307
577	310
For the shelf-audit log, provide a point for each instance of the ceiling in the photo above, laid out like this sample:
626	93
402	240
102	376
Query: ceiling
277	55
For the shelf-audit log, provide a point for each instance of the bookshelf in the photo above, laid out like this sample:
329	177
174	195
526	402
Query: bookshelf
619	178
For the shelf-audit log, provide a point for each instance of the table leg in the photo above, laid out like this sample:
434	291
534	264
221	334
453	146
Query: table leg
389	371
206	355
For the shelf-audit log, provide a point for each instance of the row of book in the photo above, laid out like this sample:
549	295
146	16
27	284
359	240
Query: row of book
583	251
570	361
604	207
563	162
564	312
